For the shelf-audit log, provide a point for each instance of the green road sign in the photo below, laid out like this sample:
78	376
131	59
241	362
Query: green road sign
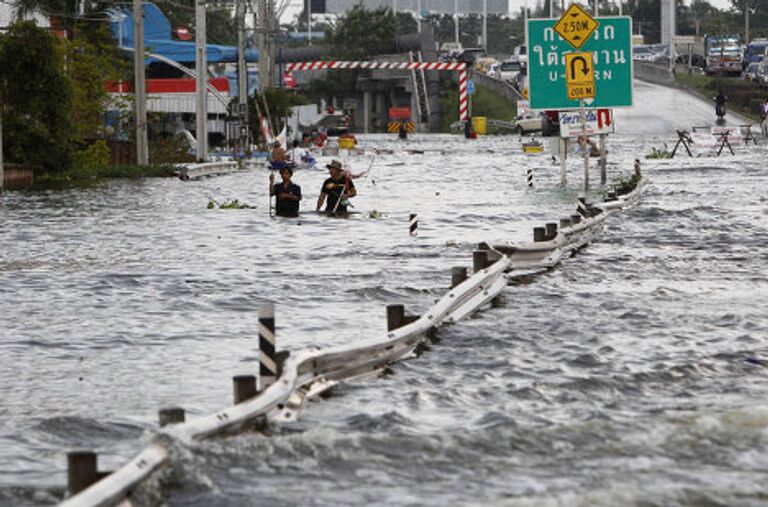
611	48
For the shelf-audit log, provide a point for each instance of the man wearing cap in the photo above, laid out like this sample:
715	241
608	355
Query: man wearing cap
338	189
287	194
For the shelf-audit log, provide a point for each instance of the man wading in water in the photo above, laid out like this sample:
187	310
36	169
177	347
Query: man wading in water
338	189
287	194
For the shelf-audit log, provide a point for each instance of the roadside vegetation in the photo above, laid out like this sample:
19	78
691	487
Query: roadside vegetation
744	97
484	103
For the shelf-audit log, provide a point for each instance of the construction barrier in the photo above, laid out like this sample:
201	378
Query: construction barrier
393	127
461	67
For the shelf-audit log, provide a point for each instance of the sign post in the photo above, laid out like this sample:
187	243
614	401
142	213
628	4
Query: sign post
580	61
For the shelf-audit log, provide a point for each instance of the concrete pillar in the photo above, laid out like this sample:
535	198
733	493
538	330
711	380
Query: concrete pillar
81	470
244	387
603	161
551	230
479	260
563	162
458	275
366	112
395	316
171	415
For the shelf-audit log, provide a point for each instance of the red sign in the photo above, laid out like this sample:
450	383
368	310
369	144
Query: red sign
182	33
289	80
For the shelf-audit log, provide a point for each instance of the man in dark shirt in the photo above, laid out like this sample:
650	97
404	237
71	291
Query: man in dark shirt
337	189
287	194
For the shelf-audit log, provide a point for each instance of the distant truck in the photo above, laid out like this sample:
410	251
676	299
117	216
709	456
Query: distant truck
723	54
755	52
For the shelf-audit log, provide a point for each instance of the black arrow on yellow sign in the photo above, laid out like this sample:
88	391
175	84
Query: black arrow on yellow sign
584	66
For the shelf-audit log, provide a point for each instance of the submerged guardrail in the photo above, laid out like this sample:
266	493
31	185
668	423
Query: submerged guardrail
307	373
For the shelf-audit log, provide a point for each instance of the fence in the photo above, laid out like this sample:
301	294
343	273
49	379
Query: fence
308	373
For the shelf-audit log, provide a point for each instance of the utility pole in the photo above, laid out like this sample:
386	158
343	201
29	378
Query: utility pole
266	56
418	17
485	25
746	22
456	18
201	70
140	85
309	22
242	74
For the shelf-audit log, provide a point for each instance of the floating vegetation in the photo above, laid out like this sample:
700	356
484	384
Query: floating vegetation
624	187
228	204
659	153
374	214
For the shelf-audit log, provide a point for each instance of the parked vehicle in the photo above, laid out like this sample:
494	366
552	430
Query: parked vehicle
755	52
723	54
509	70
520	54
483	64
750	73
761	75
470	55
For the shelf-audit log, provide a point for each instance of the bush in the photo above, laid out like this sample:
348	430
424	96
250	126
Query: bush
91	161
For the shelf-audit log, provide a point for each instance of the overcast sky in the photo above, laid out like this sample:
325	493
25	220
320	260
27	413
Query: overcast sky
514	6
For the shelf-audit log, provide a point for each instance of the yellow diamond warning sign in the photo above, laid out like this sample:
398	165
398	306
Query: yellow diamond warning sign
575	26
579	75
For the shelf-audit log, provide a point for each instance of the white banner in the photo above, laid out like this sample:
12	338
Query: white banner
599	121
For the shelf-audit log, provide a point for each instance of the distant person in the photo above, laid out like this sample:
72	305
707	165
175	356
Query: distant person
278	157
287	194
720	101
402	132
586	143
763	117
300	156
336	190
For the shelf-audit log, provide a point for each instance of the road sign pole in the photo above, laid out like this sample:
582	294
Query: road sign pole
563	158
603	161
585	146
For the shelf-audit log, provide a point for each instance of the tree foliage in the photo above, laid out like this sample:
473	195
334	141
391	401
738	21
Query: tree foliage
220	22
36	96
362	33
277	102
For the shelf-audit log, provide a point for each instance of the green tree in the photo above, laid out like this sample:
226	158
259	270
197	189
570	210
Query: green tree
362	33
37	98
220	21
277	102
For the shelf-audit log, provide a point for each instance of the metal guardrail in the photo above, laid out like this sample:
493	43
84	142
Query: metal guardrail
307	373
195	171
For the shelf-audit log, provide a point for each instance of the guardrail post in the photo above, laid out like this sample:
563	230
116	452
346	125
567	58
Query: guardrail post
458	275
479	260
581	206
414	224
611	196
565	222
395	316
551	230
539	234
171	415
575	219
244	387
81	470
267	346
499	301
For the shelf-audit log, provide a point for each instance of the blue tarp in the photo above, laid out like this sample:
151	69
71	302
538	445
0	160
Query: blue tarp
157	38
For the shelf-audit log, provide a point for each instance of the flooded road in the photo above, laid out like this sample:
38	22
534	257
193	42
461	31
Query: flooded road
633	374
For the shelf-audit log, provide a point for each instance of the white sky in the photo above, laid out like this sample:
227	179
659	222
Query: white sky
514	6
